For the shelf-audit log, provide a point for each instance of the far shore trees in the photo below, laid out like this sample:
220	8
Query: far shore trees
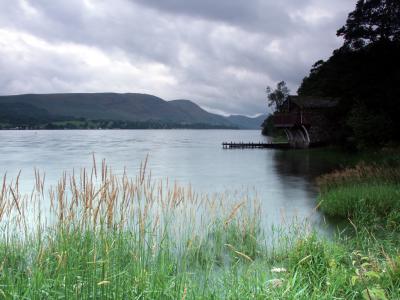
277	97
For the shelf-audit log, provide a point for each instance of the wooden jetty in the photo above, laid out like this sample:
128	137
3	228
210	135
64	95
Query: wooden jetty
259	145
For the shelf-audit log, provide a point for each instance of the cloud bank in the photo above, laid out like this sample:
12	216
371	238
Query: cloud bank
220	54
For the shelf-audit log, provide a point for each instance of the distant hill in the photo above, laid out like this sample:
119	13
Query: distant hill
194	112
129	110
244	122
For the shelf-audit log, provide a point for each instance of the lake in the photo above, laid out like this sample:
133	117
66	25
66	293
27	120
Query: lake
284	181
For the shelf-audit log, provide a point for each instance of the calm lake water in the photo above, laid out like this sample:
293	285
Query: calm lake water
282	180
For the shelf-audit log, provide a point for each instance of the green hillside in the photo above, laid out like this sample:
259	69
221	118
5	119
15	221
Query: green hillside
105	110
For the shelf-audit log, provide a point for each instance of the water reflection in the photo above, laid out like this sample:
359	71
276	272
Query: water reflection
283	181
299	169
307	164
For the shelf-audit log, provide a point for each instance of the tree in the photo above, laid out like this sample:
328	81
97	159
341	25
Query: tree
364	75
370	127
370	22
277	97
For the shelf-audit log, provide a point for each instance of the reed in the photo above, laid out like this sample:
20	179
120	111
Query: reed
97	235
365	190
362	173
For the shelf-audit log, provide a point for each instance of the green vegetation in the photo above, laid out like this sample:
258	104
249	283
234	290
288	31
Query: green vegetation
368	196
99	235
364	74
111	124
269	129
277	97
371	188
111	111
355	199
81	123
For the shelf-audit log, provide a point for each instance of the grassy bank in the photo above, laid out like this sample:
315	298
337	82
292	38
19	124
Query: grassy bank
367	197
365	189
98	235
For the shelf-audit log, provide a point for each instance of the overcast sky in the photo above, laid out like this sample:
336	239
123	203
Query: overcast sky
219	53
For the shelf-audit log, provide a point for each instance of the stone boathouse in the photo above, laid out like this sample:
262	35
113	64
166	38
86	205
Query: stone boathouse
306	120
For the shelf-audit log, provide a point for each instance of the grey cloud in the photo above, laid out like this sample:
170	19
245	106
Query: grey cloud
221	54
259	15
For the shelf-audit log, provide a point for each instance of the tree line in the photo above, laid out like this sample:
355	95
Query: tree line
363	74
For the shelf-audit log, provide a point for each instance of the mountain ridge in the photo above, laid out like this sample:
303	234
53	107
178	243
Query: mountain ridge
117	107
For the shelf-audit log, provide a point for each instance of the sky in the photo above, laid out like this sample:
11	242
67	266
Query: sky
221	54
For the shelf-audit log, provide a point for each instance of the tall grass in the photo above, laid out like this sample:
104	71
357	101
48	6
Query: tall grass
362	173
363	190
97	235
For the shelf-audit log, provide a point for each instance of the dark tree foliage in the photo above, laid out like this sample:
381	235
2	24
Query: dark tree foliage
370	75
364	74
369	125
268	127
370	22
277	97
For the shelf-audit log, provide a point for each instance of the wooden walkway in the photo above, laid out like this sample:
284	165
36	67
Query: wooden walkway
241	145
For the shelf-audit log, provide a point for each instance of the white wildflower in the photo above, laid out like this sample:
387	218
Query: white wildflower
278	270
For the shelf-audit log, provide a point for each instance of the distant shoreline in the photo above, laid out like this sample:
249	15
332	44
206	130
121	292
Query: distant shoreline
81	124
108	129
